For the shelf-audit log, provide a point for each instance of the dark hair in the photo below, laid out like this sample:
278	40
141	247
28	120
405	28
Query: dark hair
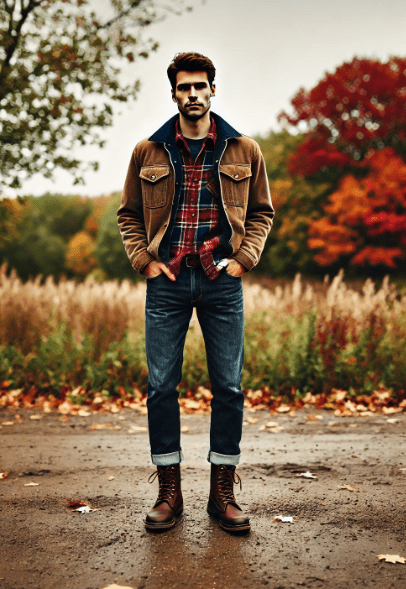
190	62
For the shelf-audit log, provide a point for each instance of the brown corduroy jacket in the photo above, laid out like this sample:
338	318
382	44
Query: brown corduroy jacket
152	188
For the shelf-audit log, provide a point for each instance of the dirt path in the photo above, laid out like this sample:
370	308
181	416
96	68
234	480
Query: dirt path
333	542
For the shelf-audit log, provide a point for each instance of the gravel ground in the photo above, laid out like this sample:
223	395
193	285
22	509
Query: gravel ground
334	540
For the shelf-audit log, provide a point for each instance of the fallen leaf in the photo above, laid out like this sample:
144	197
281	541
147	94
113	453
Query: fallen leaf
85	509
84	413
3	475
283	408
136	428
282	518
104	426
80	506
253	420
394	558
314	417
117	587
393	420
273	426
65	407
348	487
31	484
7	423
352	425
111	478
184	429
36	416
391	410
64	418
307	475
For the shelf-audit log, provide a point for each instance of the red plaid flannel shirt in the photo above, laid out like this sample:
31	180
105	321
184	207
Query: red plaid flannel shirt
197	226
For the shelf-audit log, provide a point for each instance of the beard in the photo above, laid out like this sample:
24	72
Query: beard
194	116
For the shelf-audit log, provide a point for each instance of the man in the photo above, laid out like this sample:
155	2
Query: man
194	216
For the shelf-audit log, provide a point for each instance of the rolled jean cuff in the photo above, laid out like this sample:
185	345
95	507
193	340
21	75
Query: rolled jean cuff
228	459
167	459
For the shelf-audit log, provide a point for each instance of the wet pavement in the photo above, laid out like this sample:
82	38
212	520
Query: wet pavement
334	540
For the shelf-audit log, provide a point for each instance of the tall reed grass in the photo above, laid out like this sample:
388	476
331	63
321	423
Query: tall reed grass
299	338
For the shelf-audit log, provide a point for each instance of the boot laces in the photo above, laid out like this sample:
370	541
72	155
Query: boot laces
166	478
225	483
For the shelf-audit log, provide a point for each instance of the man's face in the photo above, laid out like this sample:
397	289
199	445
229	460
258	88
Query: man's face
192	94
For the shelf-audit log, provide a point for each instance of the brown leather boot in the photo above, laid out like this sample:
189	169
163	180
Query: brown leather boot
222	503
169	503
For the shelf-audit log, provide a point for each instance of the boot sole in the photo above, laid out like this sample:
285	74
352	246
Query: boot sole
232	529
162	526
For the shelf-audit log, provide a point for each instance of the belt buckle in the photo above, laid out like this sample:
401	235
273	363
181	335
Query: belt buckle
187	258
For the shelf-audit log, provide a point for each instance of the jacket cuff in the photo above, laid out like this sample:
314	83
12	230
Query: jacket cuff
244	259
142	261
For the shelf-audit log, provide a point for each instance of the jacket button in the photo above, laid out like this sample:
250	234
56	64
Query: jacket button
153	177
236	176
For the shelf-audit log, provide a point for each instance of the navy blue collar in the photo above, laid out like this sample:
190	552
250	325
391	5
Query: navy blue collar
167	133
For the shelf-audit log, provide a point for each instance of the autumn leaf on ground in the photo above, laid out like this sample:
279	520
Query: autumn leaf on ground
31	484
393	420
7	423
104	426
252	420
184	429
272	426
116	587
306	475
136	428
394	558
3	475
110	478
36	416
283	408
83	413
284	519
80	506
314	417
348	487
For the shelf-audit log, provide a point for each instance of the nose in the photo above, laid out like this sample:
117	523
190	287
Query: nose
192	92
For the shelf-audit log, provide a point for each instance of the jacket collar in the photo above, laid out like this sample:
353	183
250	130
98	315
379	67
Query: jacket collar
167	133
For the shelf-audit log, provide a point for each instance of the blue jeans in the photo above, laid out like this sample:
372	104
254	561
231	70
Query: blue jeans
219	307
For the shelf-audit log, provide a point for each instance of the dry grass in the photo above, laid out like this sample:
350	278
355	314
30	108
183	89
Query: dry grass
107	311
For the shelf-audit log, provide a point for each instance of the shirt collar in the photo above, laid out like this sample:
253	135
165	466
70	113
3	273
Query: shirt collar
211	135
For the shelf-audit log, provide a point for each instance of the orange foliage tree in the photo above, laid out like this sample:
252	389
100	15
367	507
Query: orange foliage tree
79	254
366	218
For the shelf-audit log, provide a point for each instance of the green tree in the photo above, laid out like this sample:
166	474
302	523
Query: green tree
60	64
296	201
109	250
40	231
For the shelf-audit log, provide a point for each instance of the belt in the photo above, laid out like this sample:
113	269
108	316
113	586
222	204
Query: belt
192	261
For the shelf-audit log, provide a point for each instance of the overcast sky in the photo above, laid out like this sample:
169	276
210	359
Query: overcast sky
263	50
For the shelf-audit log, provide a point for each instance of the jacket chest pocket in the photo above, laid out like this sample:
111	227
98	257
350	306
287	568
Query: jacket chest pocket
154	184
235	183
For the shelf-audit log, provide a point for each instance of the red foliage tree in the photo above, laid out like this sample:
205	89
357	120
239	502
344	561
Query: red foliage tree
366	218
358	108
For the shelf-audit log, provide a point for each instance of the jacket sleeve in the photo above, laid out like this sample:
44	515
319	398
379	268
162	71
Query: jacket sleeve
131	219
260	214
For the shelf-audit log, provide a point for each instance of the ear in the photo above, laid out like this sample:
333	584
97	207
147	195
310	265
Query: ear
213	90
173	95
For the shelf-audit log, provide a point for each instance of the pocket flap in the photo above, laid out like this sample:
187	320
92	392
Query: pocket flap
154	173
236	171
